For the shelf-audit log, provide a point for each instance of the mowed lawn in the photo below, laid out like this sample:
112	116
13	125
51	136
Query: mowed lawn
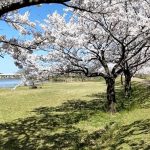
74	116
18	103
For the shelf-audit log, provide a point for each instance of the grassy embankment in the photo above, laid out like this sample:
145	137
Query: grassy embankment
73	116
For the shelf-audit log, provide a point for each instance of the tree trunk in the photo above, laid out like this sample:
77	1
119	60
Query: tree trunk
33	86
127	85
121	79
111	98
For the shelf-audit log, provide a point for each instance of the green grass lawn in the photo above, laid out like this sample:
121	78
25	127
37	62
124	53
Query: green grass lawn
72	116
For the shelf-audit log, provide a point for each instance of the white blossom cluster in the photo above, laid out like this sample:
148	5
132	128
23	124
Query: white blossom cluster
8	2
100	26
20	22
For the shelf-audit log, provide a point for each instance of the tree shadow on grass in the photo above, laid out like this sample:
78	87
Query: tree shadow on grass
43	131
140	97
50	128
115	137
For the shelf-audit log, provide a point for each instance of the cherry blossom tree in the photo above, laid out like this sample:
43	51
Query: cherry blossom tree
22	50
29	62
134	29
133	66
8	14
106	35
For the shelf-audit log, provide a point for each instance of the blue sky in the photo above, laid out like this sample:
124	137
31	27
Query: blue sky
36	13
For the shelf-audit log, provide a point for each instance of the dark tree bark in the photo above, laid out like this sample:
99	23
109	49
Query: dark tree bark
32	85
121	79
111	98
7	6
127	85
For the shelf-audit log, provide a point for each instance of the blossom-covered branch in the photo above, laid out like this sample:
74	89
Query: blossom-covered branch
11	5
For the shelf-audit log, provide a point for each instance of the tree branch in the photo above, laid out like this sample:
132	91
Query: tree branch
6	7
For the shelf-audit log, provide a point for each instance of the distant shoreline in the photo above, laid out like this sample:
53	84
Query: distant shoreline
9	83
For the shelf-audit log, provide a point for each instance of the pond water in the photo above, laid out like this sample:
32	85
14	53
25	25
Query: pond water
9	83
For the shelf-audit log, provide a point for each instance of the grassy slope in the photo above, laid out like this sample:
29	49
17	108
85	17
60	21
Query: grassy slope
72	116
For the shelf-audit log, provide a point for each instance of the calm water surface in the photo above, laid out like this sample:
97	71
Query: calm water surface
9	83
